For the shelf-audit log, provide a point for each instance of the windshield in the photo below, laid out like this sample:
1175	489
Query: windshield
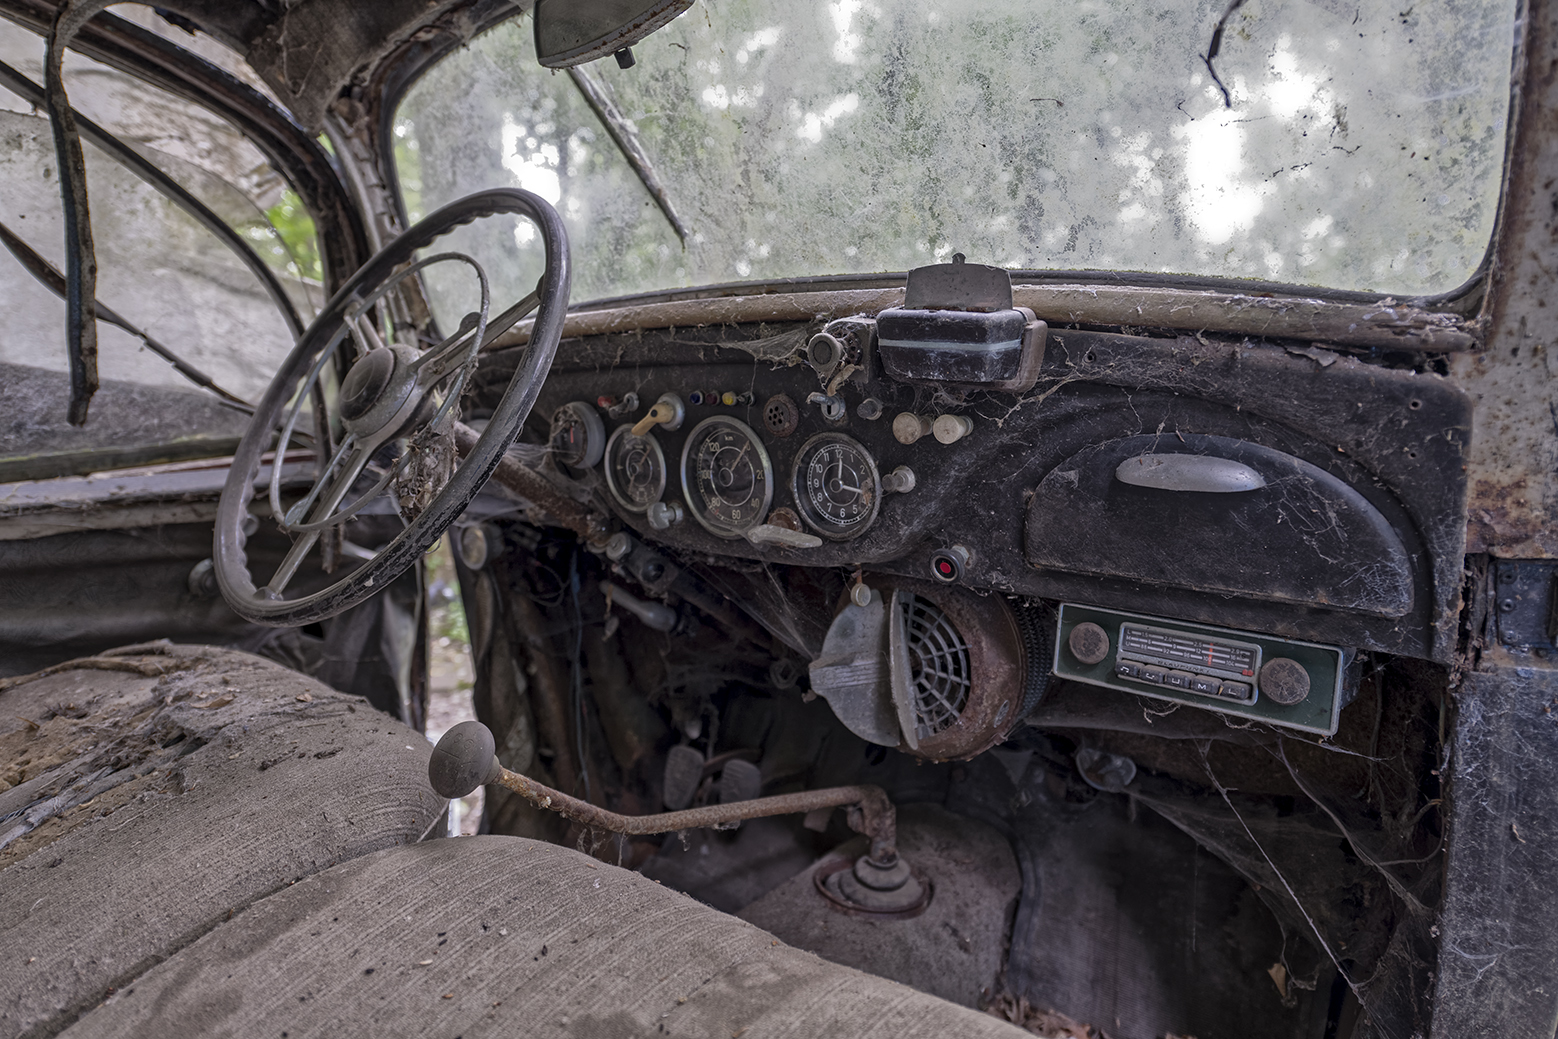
1357	146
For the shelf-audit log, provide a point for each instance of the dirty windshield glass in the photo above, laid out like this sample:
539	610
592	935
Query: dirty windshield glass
1347	145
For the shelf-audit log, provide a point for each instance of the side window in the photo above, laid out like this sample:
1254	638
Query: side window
157	266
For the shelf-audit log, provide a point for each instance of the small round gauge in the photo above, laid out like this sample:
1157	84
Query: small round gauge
837	486
727	476
578	437
635	469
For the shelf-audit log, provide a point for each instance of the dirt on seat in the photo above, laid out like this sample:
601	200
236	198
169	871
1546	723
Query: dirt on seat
504	936
151	792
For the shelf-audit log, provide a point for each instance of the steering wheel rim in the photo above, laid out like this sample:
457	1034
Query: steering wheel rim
229	556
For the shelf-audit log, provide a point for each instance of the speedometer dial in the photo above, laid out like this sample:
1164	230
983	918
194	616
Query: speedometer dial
635	469
837	486
727	476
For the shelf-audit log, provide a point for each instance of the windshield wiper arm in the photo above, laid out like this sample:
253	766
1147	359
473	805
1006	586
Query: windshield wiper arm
622	132
54	281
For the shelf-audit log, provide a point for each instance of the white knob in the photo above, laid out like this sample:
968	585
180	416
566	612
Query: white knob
908	428
663	515
949	429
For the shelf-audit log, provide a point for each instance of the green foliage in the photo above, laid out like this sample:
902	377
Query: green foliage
446	618
295	228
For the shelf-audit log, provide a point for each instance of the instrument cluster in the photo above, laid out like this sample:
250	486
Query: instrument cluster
725	473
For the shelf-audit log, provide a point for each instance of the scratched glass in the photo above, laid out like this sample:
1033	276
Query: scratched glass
1357	147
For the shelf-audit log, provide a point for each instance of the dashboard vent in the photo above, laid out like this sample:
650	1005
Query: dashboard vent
940	672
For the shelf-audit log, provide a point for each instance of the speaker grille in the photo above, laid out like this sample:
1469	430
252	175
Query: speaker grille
939	670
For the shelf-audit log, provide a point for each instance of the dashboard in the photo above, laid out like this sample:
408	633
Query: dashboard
793	446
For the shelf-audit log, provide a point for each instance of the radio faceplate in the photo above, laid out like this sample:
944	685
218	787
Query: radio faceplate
1212	668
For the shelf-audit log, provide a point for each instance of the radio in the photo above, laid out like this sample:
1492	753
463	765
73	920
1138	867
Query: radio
1282	681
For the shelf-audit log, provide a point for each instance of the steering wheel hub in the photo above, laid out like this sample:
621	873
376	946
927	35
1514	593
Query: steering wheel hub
366	383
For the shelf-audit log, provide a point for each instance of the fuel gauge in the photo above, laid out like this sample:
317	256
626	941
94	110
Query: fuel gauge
578	437
836	485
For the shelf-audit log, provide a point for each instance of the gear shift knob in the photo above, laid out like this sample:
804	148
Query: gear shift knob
463	760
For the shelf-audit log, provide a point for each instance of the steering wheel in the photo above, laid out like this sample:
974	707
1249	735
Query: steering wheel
395	406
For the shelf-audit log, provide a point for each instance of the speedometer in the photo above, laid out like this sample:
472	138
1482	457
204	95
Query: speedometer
837	486
727	476
635	469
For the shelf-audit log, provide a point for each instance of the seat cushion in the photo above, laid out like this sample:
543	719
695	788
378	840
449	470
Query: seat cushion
506	936
155	791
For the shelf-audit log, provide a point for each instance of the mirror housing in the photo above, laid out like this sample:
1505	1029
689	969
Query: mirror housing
572	32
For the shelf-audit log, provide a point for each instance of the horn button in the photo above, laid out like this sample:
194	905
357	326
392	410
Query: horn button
374	391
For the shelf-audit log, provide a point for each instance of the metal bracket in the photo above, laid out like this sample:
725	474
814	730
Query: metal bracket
1525	603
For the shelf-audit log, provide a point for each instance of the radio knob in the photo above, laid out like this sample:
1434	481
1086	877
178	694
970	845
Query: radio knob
1284	681
1088	643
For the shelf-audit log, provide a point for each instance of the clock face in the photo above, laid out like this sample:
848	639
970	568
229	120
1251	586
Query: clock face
837	487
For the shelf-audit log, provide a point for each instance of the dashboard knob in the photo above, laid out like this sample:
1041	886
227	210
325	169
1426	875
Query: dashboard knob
949	429
1088	642
899	481
907	427
824	353
1284	681
663	515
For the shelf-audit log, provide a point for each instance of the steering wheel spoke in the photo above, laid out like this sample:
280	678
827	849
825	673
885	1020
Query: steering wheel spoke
317	509
387	393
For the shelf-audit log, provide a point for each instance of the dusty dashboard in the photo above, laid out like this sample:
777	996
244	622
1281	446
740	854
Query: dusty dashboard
1231	483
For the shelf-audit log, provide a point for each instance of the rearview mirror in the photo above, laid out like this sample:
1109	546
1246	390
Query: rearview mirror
572	32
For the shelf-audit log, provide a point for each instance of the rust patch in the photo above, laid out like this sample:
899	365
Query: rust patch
1502	519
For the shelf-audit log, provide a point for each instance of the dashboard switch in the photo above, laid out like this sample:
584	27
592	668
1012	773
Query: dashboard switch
949	429
1236	691
907	428
833	408
668	411
899	481
869	409
948	564
663	515
1205	686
